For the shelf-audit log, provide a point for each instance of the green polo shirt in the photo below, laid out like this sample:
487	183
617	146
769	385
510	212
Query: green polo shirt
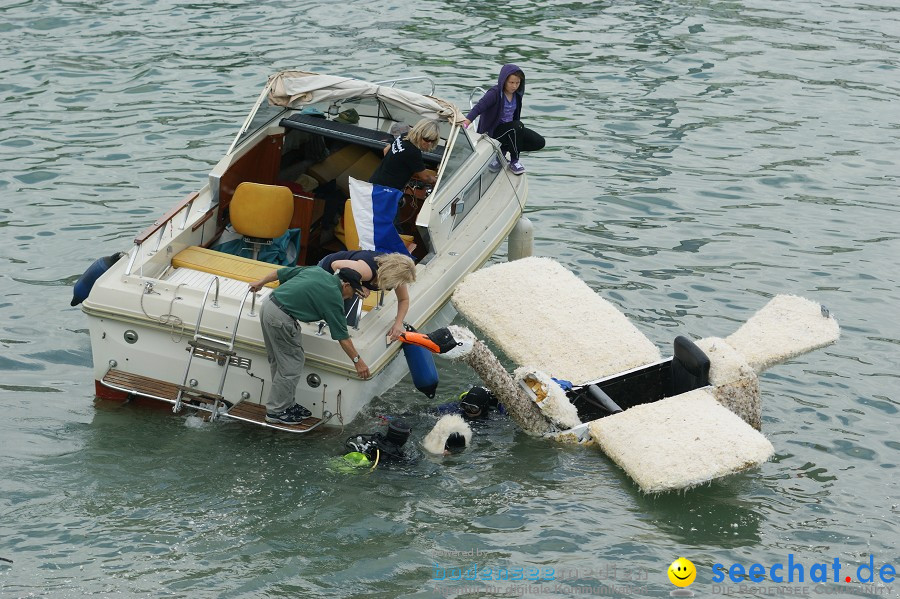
309	293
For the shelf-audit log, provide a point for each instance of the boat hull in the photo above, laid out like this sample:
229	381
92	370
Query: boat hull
159	354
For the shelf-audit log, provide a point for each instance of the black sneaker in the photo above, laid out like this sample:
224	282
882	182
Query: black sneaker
293	415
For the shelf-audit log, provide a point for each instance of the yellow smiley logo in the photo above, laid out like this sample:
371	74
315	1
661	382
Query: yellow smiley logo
682	572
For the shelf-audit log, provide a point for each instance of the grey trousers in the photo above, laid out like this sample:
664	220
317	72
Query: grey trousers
281	334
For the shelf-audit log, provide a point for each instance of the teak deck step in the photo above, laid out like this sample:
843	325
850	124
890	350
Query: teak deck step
252	413
155	388
140	385
256	414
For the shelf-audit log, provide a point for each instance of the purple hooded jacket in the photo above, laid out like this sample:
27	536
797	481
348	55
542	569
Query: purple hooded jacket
490	105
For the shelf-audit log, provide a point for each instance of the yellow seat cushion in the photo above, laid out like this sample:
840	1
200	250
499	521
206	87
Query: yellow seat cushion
361	169
336	163
370	302
223	265
345	231
261	211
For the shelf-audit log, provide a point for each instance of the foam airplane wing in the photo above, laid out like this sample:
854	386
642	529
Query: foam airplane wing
542	315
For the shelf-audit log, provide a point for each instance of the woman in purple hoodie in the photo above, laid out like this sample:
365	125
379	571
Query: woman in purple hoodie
500	109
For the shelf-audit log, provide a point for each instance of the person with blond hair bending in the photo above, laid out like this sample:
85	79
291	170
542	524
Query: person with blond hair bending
378	271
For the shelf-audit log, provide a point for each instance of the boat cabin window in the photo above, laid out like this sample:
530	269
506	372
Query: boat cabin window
466	201
265	114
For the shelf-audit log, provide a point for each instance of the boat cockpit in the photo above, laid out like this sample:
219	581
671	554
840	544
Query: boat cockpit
313	151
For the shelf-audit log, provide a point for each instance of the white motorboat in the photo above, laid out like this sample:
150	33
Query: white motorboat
172	320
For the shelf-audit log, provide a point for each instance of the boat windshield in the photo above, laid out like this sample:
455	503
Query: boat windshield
364	120
264	115
378	115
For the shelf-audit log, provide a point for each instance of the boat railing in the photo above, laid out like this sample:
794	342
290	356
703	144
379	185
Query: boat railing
157	231
478	90
241	311
215	304
404	80
203	304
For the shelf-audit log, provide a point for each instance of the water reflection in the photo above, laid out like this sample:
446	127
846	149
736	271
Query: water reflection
723	514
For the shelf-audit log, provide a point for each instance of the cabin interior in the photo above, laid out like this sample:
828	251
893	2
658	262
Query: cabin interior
312	159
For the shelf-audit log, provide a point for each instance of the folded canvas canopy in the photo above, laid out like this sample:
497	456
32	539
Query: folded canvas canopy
296	89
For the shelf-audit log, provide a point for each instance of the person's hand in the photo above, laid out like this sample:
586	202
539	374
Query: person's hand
396	331
361	369
255	287
466	123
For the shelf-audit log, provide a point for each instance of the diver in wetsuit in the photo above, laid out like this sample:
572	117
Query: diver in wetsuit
474	404
377	447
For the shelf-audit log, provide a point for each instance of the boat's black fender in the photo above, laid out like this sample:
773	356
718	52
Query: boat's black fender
86	281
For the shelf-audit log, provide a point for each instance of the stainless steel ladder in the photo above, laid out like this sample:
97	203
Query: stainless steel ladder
221	350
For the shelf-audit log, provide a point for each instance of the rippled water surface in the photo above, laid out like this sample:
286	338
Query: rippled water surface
702	157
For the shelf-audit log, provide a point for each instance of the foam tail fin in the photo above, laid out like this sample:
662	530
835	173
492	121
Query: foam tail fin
787	326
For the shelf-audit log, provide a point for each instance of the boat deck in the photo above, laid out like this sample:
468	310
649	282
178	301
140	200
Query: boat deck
201	280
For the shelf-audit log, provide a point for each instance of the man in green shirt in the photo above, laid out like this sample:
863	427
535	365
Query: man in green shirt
304	293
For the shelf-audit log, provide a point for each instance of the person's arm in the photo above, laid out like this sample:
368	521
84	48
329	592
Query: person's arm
486	100
359	266
272	276
361	369
402	308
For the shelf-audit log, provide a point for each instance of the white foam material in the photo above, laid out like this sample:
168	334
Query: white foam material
680	442
542	315
552	400
785	327
726	364
435	440
735	383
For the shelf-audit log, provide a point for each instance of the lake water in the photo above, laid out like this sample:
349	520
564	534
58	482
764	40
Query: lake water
702	157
